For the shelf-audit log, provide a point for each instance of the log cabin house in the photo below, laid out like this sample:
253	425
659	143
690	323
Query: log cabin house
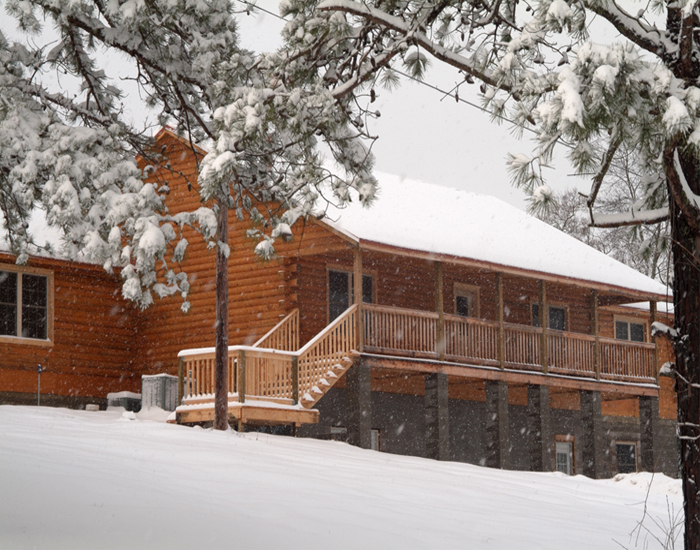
439	323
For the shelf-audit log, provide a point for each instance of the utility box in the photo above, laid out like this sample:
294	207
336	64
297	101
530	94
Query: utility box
129	400
159	390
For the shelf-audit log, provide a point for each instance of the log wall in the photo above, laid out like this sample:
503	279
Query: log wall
93	341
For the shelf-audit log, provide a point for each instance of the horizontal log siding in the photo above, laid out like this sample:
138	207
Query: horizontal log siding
260	293
93	339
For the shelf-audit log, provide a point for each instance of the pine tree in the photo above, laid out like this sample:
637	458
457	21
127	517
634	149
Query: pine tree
538	66
72	154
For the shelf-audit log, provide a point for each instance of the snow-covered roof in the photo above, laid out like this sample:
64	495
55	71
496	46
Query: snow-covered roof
438	220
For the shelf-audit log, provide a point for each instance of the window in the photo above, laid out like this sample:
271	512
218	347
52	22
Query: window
630	330
340	292
466	300
557	317
565	456
626	457
24	305
376	440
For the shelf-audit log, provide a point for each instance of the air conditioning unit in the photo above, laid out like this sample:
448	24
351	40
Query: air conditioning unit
129	400
159	390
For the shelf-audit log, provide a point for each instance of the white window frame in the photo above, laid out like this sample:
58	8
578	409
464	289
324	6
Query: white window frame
20	270
628	320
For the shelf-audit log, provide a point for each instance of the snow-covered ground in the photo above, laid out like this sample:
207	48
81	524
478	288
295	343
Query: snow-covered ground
94	480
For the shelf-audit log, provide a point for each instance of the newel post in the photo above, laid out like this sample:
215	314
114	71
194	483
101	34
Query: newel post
595	327
357	293
544	324
295	379
180	380
440	309
241	376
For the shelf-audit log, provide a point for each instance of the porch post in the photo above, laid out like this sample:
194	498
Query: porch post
497	425
437	418
544	324
501	322
652	319
540	438
649	431
359	405
357	293
592	444
595	327
180	380
440	308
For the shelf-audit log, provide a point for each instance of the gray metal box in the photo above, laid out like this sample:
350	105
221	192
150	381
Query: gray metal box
129	400
159	390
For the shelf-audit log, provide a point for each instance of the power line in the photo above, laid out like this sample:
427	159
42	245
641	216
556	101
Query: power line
423	82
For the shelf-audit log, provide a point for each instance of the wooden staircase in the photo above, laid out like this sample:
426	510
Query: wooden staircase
273	381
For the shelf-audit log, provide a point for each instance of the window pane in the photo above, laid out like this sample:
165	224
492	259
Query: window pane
34	301
564	457
338	293
8	287
8	303
535	315
34	322
462	306
626	458
636	332
621	332
8	320
367	289
33	290
557	318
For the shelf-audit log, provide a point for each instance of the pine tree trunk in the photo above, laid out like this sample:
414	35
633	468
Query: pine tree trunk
686	297
221	333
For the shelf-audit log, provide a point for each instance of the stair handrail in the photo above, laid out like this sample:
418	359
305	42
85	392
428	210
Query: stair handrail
291	318
337	321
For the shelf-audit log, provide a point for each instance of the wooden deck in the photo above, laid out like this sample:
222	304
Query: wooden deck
280	382
263	380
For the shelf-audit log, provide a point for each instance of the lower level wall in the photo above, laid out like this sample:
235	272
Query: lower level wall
400	420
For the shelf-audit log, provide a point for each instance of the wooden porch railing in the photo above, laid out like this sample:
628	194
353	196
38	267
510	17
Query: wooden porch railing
275	374
409	333
283	336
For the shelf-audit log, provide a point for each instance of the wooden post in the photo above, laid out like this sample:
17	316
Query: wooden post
501	322
180	380
357	292
295	380
595	327
544	324
241	376
440	308
652	315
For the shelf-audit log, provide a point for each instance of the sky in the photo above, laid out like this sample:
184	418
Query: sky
423	135
426	136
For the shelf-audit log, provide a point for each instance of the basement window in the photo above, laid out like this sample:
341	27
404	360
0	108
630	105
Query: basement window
24	305
626	457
